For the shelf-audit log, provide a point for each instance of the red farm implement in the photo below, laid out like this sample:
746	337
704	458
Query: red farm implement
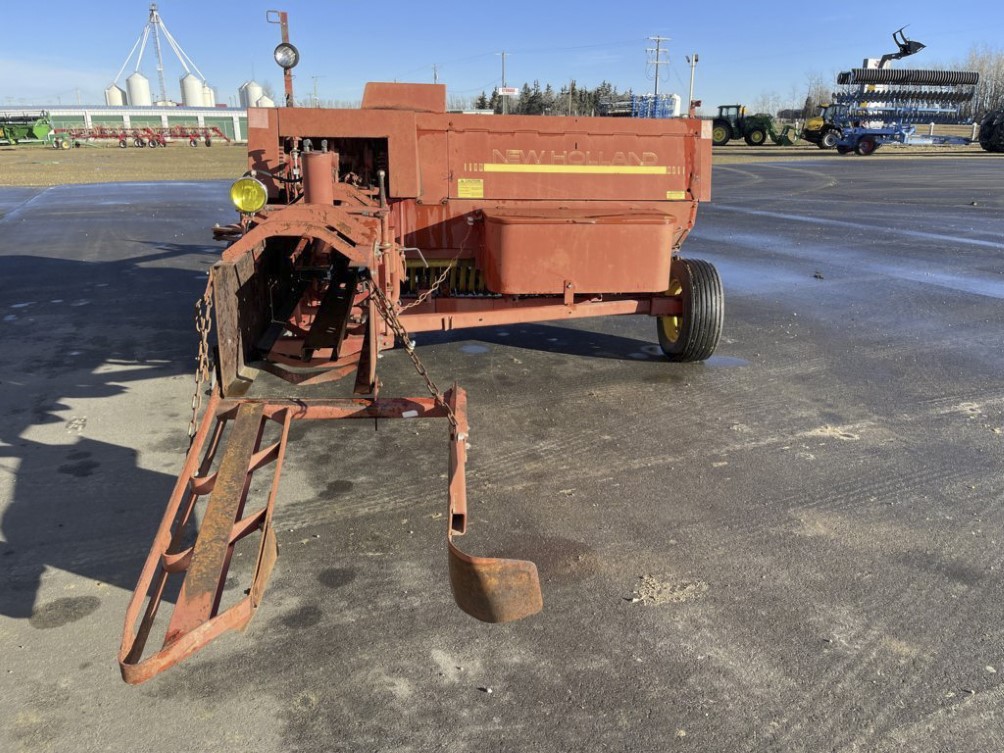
360	228
64	138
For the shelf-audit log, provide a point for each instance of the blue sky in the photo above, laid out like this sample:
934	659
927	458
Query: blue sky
52	51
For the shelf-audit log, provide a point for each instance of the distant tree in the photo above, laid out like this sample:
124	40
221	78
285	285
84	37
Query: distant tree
482	102
548	100
989	95
457	102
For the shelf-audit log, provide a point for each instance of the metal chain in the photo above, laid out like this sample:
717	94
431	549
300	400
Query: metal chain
203	371
435	286
390	316
446	272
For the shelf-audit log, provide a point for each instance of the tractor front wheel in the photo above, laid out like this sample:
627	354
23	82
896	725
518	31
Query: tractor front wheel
693	334
829	139
756	137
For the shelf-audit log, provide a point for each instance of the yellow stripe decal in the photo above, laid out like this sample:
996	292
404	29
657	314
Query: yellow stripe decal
499	167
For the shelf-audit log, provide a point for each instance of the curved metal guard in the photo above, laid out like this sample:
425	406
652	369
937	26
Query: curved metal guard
487	588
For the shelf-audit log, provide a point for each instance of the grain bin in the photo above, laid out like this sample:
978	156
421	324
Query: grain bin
191	91
139	90
250	92
115	96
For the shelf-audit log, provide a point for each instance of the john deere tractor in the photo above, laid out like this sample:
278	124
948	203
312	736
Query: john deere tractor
732	122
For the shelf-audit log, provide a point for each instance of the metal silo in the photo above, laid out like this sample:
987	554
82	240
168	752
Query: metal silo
208	96
139	90
250	93
115	96
191	91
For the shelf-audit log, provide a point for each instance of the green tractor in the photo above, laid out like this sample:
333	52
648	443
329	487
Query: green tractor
732	122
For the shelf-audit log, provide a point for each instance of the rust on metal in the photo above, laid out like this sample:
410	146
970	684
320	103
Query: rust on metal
203	584
382	222
487	588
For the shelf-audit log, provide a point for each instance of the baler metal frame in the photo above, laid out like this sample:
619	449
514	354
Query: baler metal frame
365	207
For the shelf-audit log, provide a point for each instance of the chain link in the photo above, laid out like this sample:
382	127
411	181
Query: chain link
435	286
386	309
203	368
446	272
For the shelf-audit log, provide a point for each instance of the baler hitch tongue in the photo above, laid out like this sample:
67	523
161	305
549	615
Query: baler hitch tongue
249	435
490	589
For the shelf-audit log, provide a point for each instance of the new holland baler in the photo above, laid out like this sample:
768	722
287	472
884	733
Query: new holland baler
360	228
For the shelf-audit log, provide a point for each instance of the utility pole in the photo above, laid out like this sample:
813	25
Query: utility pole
692	60
505	103
435	73
657	59
316	101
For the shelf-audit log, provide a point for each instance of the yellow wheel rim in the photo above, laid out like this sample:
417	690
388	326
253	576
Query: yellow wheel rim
718	134
672	324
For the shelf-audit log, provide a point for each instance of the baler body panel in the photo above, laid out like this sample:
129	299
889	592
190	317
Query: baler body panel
549	251
383	222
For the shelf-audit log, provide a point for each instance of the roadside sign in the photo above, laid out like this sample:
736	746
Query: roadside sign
508	91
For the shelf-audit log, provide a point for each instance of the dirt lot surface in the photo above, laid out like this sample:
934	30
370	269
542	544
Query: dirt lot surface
793	547
30	165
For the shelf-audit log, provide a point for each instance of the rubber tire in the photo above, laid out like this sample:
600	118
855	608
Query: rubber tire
209	141
991	135
123	144
65	144
721	133
193	142
138	142
841	149
829	139
153	144
866	145
694	335
756	137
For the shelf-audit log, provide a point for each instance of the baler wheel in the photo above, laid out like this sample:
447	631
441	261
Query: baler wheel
693	334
